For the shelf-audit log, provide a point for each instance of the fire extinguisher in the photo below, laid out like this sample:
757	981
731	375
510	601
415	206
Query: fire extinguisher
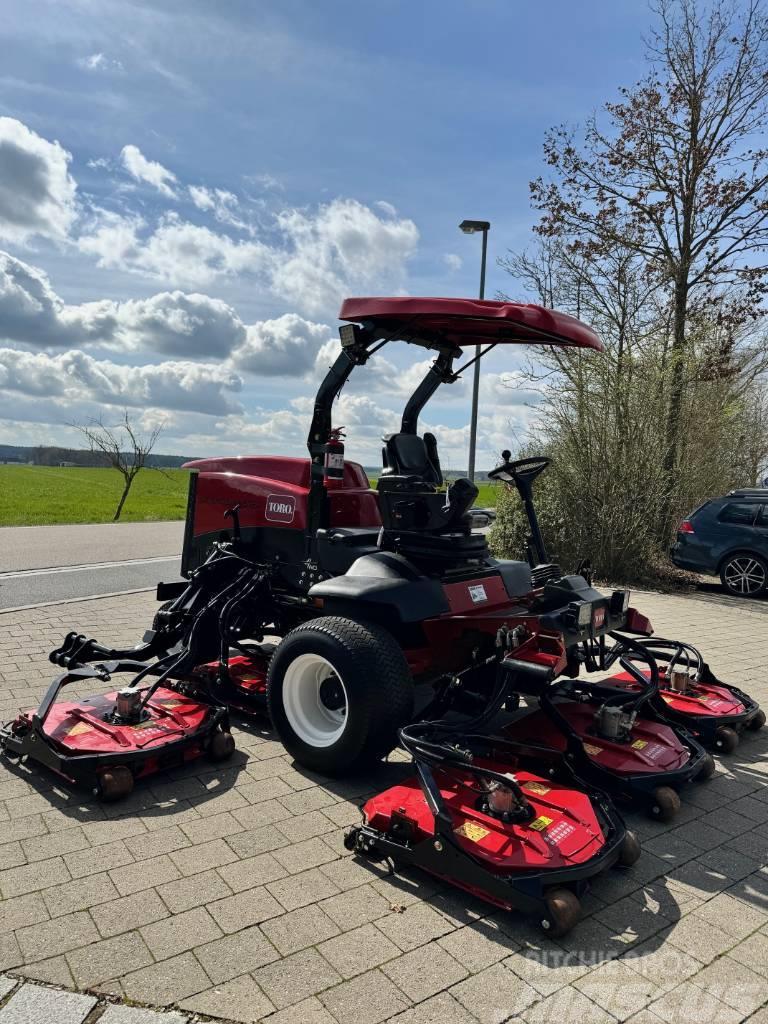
333	469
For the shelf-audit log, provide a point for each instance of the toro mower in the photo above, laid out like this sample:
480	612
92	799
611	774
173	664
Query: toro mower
350	613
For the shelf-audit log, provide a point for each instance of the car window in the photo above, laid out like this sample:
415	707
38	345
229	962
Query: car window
701	508
739	512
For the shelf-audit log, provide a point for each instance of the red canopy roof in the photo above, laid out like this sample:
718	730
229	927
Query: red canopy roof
471	321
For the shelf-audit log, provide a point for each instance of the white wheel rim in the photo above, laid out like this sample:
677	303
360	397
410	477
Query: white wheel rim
308	714
745	575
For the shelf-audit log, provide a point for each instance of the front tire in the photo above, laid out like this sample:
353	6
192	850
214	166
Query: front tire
337	692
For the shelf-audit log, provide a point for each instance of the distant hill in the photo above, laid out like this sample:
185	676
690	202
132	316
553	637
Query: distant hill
51	455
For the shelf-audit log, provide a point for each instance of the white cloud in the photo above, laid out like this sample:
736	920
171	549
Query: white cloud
453	261
341	248
221	203
169	323
37	192
149	171
287	346
77	376
99	62
177	252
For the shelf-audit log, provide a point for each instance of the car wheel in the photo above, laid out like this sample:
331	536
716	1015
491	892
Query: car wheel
337	692
744	575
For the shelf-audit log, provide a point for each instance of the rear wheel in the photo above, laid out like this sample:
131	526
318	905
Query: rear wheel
338	691
744	575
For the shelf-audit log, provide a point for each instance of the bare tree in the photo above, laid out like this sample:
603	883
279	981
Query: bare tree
678	178
124	448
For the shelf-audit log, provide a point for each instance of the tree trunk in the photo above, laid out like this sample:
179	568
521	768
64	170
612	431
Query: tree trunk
674	407
128	482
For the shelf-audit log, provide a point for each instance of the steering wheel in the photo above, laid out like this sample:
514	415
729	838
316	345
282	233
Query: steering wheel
522	469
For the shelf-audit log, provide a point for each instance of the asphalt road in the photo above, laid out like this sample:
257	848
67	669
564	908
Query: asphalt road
43	564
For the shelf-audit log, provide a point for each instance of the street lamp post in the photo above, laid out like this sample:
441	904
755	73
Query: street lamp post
470	227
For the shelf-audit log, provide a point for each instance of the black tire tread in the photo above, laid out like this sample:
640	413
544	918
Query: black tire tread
389	701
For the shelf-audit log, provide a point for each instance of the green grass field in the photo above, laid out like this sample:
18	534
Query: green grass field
38	495
41	495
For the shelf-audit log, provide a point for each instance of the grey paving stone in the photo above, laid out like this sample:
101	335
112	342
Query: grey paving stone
194	859
252	871
689	1004
310	1011
495	994
733	984
79	894
356	907
296	977
359	950
302	856
440	1009
424	971
246	950
301	928
302	889
33	877
179	933
415	926
128	912
567	1004
144	874
246	908
110	958
168	982
138	1015
367	999
32	1004
193	891
53	971
6	985
240	999
58	936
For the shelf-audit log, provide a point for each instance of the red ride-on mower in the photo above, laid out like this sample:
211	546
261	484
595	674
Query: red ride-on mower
381	602
689	693
600	734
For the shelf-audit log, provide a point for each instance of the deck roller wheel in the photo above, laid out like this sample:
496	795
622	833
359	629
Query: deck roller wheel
757	722
114	783
666	803
707	769
630	850
222	746
563	911
726	740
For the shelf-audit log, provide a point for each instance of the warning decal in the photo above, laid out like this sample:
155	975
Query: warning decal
639	744
592	750
536	787
540	823
471	830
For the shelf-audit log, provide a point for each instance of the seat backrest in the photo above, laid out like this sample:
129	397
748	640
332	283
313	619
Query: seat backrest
411	455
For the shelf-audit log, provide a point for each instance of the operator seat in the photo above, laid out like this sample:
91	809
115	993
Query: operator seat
425	525
411	455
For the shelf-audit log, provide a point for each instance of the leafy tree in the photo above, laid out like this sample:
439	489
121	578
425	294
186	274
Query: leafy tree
674	178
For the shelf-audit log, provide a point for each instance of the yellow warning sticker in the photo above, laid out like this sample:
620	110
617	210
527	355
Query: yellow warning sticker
471	830
639	744
536	787
540	823
79	729
592	749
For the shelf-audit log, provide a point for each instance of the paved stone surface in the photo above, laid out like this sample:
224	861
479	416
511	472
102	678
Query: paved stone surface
225	891
32	1004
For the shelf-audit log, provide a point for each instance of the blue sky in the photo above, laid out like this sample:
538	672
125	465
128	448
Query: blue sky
265	159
